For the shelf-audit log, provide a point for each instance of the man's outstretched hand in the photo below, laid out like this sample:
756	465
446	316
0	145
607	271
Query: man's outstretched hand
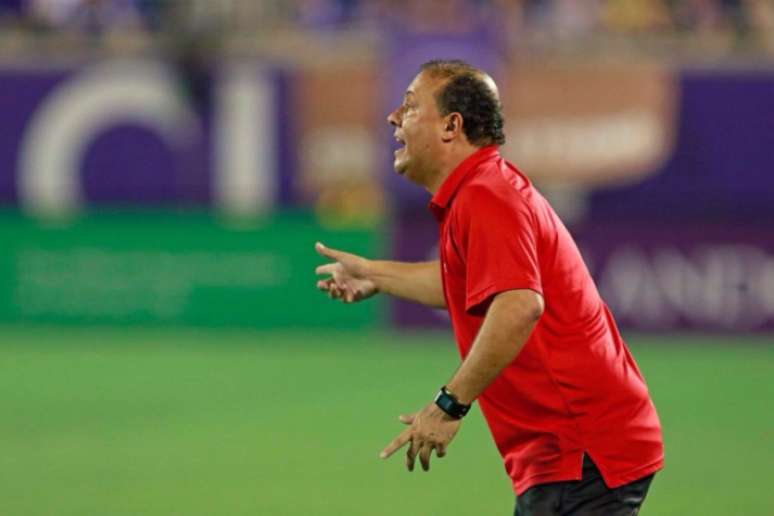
348	272
430	429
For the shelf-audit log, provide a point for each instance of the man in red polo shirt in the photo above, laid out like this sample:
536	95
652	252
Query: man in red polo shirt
567	407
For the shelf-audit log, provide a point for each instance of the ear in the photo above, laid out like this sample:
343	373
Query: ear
452	127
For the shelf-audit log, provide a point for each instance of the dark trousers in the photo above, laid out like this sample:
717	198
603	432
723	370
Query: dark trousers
586	497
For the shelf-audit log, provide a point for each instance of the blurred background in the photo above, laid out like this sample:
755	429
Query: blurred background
167	165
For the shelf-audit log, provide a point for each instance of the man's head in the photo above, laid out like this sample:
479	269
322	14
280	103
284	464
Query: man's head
448	111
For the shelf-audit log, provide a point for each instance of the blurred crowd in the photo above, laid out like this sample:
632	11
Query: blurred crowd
739	21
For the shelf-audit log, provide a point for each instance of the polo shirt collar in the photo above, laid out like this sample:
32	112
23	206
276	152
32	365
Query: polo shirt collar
440	201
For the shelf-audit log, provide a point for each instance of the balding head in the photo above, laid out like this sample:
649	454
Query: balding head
448	68
473	94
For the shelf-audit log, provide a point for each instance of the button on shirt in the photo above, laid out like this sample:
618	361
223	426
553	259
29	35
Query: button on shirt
574	388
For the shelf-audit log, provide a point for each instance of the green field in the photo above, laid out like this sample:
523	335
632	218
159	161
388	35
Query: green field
147	422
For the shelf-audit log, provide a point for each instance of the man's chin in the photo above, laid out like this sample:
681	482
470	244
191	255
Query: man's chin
400	167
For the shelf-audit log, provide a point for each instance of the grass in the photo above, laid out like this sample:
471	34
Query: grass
185	422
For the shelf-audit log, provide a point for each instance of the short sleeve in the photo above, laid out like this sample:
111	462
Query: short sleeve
499	245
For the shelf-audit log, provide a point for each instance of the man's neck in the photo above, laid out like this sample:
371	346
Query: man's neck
447	165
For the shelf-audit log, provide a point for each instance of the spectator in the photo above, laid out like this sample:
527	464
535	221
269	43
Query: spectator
85	15
759	14
11	7
701	16
573	19
636	15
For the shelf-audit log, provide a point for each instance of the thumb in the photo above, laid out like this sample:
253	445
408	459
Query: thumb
407	419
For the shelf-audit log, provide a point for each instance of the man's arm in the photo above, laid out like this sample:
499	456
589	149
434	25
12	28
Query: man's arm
353	278
509	320
419	282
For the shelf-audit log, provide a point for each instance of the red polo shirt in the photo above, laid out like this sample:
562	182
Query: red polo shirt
574	388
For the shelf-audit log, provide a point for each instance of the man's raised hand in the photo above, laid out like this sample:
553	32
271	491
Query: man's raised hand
348	273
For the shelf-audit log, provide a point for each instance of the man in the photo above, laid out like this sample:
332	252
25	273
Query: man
563	398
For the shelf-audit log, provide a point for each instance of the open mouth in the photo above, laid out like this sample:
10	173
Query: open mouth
401	144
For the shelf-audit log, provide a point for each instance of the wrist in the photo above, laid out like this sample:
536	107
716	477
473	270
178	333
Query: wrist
460	394
371	272
448	403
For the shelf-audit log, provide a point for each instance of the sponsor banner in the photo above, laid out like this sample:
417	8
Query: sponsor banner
722	167
337	117
718	278
174	269
589	125
143	132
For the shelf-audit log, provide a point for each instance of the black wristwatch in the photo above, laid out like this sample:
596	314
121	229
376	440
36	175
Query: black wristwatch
449	404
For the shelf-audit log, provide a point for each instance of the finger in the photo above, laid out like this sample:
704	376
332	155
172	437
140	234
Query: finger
343	294
328	268
424	456
440	450
411	454
396	444
407	419
334	292
328	284
327	252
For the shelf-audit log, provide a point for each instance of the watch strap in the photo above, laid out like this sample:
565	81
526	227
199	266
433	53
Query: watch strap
449	404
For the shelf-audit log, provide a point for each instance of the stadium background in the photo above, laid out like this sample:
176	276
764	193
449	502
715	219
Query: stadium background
166	167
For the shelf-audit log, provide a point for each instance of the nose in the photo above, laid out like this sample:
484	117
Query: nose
394	118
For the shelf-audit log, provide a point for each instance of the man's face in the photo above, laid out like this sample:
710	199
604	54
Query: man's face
418	129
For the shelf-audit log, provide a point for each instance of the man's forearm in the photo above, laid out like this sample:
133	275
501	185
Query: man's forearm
505	330
419	282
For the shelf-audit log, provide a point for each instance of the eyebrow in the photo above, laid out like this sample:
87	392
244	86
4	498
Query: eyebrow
408	92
